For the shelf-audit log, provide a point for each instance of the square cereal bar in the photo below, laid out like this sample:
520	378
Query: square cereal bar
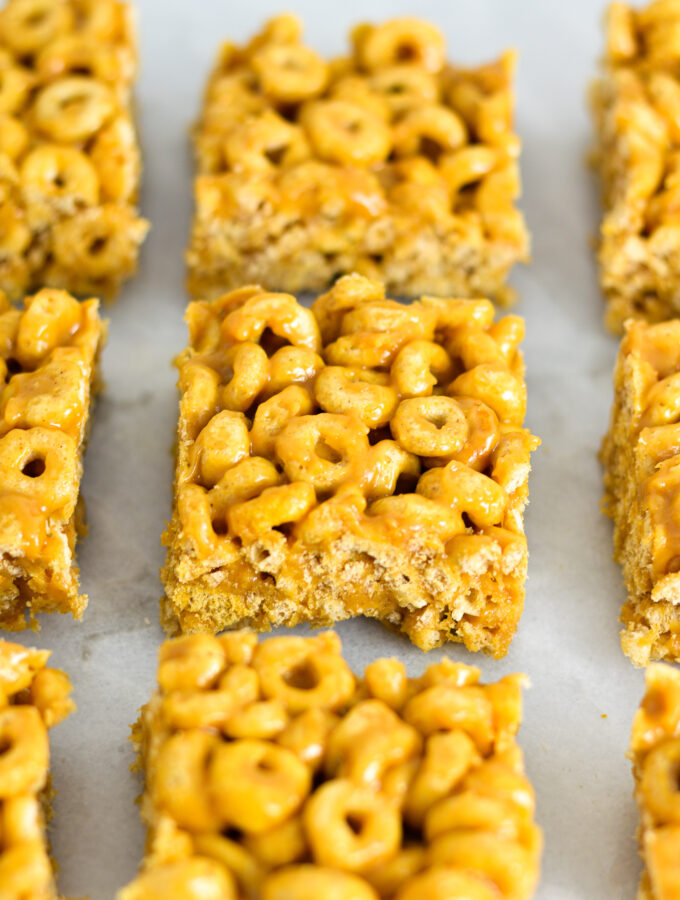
641	455
273	773
362	457
389	162
69	160
655	753
636	107
33	698
49	354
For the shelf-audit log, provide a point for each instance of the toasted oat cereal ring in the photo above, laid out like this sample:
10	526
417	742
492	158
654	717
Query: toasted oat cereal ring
222	443
15	235
281	314
495	386
61	172
15	85
197	878
20	821
289	73
25	756
388	316
659	782
386	464
468	810
345	133
273	414
77	54
263	143
41	463
115	156
50	319
430	426
355	89
285	504
179	783
662	406
27	25
404	87
323	450
13	136
311	881
292	365
429	131
444	883
98	242
419	367
280	846
505	863
468	165
250	373
189	662
465	491
407	512
351	826
73	109
256	785
402	40
447	759
447	707
25	869
363	393
347	294
53	396
304	673
483	434
235	858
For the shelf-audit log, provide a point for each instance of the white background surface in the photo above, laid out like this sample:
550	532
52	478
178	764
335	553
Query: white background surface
568	638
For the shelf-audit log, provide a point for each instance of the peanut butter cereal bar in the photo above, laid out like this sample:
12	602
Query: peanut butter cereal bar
69	160
48	362
655	752
636	106
362	457
272	772
389	162
33	698
641	454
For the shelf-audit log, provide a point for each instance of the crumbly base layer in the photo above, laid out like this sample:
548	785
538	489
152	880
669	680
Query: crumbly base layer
411	589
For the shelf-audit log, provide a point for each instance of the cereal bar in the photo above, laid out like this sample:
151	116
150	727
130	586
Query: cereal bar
69	160
389	162
655	753
48	364
641	455
273	772
636	107
33	698
362	457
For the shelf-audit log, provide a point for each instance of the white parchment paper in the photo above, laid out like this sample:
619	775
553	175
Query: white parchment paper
579	710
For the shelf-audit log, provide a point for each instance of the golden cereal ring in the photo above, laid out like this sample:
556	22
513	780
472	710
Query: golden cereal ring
365	350
345	133
483	434
41	464
309	882
222	443
27	25
495	386
255	519
99	18
465	491
495	778
25	870
445	707
404	87
262	720
264	143
273	415
190	662
413	511
100	242
386	464
402	40
73	109
304	673
204	525
198	709
412	322
281	314
358	392
233	857
659	782
289	73
429	131
468	165
280	846
51	317
389	876
178	782
249	374
662	403
443	883
307	734
245	480
430	426
115	156
25	756
20	820
13	136
373	836
190	879
73	54
199	387
470	811
355	89
347	294
419	367
386	680
15	85
18	667
505	863
61	172
292	365
508	334
447	759
50	695
256	785
15	235
323	450
452	314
